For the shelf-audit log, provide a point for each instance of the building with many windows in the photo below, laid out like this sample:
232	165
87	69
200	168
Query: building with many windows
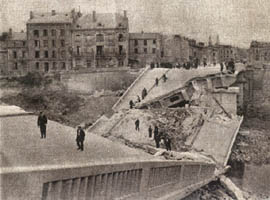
49	41
145	48
259	52
16	47
100	40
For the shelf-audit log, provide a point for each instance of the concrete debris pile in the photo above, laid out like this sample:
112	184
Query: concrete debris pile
179	124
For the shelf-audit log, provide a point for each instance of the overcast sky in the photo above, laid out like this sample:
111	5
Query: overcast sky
237	22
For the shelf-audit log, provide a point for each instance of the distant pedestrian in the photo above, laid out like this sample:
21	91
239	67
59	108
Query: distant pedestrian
164	77
137	125
131	104
204	63
138	99
144	93
221	67
167	142
150	131
80	138
156	81
42	122
156	136
231	66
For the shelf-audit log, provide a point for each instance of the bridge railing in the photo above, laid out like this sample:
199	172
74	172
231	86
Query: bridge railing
131	180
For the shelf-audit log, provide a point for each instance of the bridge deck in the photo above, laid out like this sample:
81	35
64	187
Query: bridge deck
21	145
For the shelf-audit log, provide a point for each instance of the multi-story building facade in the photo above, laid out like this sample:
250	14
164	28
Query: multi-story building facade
100	40
259	52
3	58
226	53
16	47
49	41
145	48
175	49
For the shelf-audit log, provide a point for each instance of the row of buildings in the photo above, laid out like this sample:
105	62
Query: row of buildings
73	41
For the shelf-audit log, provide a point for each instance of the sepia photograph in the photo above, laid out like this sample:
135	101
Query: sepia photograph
134	100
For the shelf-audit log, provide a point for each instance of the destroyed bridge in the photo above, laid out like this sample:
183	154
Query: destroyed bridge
112	170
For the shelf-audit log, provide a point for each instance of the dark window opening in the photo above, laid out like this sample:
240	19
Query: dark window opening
120	49
99	50
45	33
63	66
53	32
37	43
45	43
136	50
145	42
153	50
78	50
14	54
175	98
62	43
37	65
62	32
145	50
15	66
154	41
46	67
136	42
120	38
54	66
53	43
24	43
36	33
46	54
37	54
162	54
53	54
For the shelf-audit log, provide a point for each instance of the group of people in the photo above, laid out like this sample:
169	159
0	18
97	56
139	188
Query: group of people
42	124
158	135
132	103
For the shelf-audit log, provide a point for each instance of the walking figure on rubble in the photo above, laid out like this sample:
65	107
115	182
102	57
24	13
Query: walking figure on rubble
156	136
42	122
80	138
150	131
137	125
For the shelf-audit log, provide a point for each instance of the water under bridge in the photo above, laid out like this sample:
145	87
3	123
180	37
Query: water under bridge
33	168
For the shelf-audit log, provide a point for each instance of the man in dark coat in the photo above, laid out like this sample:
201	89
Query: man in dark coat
156	136
80	138
42	122
156	81
150	131
144	93
137	125
167	142
131	104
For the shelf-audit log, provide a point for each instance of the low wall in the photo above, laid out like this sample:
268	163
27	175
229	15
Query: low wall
89	82
130	180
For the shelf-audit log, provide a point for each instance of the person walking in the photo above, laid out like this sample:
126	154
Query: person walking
167	142
131	104
150	131
221	67
42	123
138	99
156	81
137	125
144	93
164	77
80	138
156	136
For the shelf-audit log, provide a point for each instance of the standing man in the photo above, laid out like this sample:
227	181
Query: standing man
156	81
156	136
42	122
131	104
80	138
137	125
150	131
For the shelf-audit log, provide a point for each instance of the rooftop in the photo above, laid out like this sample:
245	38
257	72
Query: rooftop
102	20
50	18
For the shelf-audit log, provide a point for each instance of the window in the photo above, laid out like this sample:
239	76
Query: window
136	42
145	42
46	54
162	54
37	43
23	54
99	50
78	50
99	38
120	38
53	54
154	41
145	50
53	43
36	54
62	43
62	32
63	54
120	49
15	65
153	50
53	32
37	65
36	33
45	43
24	43
14	54
46	67
54	67
63	66
45	32
136	51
